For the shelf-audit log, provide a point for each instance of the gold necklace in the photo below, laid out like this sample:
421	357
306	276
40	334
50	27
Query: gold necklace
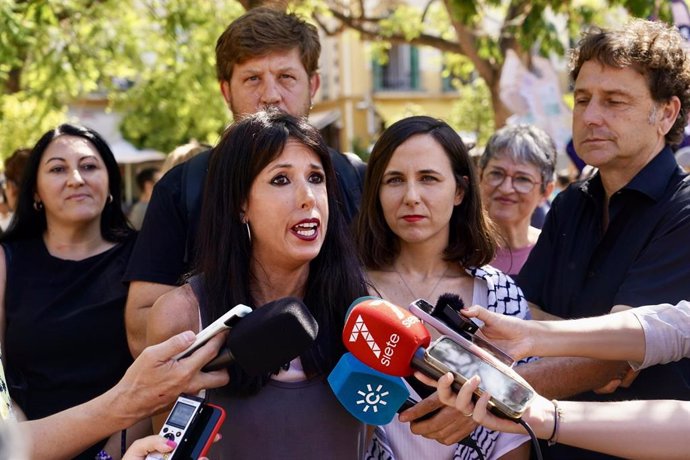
414	296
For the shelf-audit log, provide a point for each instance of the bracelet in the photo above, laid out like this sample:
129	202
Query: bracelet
103	455
557	414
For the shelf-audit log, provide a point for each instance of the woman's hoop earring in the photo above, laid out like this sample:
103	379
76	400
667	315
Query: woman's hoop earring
38	206
110	198
243	219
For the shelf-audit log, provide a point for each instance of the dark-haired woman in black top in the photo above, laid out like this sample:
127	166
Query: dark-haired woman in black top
61	264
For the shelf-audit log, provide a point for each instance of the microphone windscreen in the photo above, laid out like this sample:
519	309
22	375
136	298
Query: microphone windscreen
452	300
383	336
272	335
448	308
370	396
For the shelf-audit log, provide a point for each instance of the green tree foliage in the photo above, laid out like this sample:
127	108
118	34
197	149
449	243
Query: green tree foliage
476	34
472	113
175	96
154	59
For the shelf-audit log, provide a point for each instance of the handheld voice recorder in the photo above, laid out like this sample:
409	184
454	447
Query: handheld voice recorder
193	425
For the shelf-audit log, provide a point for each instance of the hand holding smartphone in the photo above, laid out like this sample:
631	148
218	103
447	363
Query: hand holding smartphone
227	321
510	393
422	310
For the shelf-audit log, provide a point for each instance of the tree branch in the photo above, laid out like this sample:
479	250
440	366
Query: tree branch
467	43
368	27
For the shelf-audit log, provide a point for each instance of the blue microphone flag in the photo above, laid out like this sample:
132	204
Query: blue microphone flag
369	395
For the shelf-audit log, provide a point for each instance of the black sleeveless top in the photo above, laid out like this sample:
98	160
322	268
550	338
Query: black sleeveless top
65	339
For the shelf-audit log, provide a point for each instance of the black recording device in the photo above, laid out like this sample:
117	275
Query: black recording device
446	318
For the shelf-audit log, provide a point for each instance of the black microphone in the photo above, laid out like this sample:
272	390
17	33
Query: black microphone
268	337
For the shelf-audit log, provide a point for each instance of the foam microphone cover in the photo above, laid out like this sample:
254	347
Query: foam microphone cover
448	308
272	335
452	300
383	336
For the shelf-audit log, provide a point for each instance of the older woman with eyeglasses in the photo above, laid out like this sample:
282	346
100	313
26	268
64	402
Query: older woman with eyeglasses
517	169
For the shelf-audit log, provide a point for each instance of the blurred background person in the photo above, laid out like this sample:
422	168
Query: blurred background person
146	179
516	171
683	158
61	267
14	169
422	232
181	154
564	177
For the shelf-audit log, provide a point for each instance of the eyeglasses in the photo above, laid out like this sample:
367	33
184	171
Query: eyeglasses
521	183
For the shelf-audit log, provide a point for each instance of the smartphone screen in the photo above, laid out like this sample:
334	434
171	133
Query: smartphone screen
502	387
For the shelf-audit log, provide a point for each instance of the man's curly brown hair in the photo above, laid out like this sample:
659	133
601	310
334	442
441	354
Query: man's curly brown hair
654	49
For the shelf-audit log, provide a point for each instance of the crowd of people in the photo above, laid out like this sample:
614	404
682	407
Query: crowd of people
93	312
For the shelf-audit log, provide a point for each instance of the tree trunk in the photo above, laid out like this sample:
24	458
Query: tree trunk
14	81
501	112
278	4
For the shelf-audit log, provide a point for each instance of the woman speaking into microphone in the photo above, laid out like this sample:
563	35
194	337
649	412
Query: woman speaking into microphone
271	228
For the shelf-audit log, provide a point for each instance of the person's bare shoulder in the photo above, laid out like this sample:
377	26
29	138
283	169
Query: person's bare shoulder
174	312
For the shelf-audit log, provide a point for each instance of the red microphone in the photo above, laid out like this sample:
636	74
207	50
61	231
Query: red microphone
391	340
386	337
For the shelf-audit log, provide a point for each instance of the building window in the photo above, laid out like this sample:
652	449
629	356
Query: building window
447	83
401	73
450	80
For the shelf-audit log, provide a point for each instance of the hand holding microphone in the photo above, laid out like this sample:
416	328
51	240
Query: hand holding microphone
391	340
428	418
447	317
268	337
260	342
374	398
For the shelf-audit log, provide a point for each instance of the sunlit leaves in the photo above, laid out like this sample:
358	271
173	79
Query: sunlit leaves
55	52
473	112
403	20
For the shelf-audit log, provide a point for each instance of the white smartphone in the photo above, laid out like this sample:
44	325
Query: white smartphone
228	320
510	393
421	309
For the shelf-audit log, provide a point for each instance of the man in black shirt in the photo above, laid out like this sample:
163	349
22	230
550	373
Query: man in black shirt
620	237
266	58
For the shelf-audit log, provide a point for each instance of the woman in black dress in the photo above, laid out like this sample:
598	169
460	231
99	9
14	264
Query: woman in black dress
61	263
